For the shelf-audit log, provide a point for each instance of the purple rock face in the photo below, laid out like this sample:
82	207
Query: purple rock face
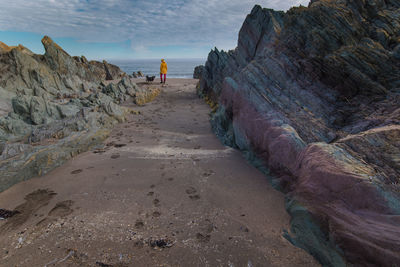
314	94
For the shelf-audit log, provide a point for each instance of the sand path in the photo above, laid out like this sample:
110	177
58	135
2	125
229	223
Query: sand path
163	191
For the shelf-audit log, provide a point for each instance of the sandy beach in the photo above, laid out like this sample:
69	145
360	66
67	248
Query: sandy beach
161	191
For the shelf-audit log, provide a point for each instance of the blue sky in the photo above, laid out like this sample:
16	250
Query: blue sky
123	29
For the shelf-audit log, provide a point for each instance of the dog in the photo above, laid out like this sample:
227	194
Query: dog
150	78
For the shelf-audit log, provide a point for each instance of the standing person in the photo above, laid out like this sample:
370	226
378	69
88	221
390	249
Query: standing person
163	70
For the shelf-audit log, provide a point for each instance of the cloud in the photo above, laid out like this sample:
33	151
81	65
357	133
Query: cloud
144	23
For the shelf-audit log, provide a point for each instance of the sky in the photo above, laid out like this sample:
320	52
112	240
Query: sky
129	29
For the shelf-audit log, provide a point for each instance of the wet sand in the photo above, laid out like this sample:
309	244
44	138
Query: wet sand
162	191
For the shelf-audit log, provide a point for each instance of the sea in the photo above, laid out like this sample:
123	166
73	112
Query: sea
177	68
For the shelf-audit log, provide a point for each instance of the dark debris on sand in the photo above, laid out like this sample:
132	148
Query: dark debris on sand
4	214
161	243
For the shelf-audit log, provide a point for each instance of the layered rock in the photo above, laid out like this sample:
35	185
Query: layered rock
55	106
314	94
52	73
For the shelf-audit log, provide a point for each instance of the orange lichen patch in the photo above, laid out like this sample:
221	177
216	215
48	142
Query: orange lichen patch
46	41
4	47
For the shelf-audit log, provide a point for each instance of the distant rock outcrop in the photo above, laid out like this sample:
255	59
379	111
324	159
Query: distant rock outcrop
198	72
314	95
54	106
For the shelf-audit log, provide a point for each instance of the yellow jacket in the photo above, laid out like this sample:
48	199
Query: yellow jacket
163	67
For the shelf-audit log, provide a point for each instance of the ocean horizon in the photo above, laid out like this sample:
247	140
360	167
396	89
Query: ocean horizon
177	68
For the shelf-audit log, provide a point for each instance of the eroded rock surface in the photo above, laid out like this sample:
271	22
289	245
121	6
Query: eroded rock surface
314	94
54	106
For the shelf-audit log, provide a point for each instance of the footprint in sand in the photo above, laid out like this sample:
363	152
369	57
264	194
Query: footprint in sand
208	173
194	197
119	145
170	179
62	209
110	144
156	202
76	171
33	202
244	229
191	190
156	214
115	156
139	224
203	238
151	193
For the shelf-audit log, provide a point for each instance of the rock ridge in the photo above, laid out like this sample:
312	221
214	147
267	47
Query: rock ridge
313	94
55	106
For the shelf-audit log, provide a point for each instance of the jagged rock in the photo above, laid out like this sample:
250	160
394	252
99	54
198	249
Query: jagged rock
5	48
198	72
58	97
84	60
108	73
113	91
140	74
67	111
58	60
313	93
35	109
13	128
134	75
53	72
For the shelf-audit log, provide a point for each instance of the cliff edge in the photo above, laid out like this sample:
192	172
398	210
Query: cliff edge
314	95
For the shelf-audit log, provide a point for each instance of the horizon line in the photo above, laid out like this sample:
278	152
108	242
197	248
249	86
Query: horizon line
158	58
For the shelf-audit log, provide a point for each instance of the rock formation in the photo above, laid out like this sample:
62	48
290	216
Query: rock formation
54	106
314	95
198	72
